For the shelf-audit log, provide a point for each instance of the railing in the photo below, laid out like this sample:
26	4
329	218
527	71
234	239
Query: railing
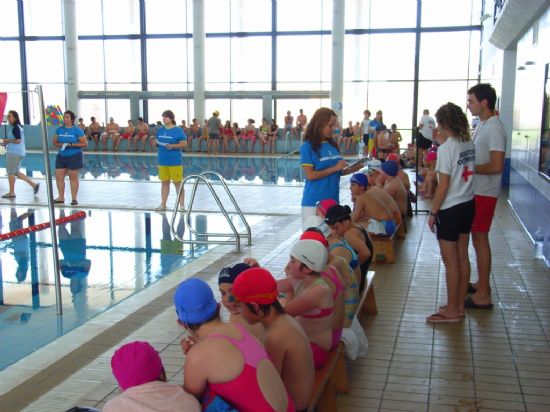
202	238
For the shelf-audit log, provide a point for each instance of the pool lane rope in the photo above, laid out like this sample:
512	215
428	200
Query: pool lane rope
41	226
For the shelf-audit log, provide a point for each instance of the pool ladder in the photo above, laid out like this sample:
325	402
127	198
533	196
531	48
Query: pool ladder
202	238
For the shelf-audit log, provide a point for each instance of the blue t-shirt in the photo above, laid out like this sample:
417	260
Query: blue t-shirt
329	186
69	135
374	124
170	136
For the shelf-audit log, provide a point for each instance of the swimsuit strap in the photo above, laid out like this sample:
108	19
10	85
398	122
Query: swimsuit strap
332	273
251	351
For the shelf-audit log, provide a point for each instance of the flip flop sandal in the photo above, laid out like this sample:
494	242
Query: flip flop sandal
441	317
57	201
8	196
470	304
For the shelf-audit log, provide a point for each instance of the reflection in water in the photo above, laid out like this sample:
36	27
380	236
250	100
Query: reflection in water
260	170
74	265
20	244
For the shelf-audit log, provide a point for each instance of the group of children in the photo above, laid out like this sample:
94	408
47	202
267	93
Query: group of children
263	358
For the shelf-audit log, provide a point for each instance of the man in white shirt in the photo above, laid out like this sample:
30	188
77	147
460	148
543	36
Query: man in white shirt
490	144
425	134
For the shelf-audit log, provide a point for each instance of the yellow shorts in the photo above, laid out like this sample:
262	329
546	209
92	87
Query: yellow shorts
173	173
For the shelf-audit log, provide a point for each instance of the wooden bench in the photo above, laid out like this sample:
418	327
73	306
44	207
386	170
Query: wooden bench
333	377
384	251
401	229
327	379
367	303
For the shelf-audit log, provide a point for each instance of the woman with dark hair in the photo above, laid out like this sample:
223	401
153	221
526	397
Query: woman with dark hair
70	141
322	162
171	141
338	218
452	209
15	152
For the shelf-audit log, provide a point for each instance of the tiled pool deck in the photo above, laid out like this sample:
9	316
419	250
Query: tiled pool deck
494	360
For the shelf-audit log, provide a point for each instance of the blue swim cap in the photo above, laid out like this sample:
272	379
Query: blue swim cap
390	168
194	301
360	178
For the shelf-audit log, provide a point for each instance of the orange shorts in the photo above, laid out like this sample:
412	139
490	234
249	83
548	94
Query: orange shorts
485	210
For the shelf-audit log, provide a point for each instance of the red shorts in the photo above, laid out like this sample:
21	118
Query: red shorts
485	210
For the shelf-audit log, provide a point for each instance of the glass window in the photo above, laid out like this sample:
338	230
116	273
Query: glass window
41	53
167	16
90	62
217	16
393	13
243	109
42	17
54	94
167	60
251	59
84	23
92	107
391	56
217	58
120	17
439	13
119	109
9	26
357	14
383	96
433	94
157	106
250	15
11	67
314	63
445	56
356	49
304	15
122	59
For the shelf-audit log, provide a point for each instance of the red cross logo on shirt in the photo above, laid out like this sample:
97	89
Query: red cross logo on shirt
467	173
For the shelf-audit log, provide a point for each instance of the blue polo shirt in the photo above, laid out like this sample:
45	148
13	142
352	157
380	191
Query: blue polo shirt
329	186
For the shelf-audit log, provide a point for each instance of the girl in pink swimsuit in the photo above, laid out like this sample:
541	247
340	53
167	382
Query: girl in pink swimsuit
312	304
223	360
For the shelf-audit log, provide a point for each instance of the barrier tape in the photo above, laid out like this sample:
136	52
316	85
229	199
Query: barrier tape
41	226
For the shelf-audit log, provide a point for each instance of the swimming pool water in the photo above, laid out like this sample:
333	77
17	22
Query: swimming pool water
244	169
104	258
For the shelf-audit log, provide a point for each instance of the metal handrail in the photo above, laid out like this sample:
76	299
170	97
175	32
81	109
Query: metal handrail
203	177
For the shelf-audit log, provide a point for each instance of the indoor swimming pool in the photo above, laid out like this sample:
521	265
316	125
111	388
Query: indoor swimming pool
144	167
104	258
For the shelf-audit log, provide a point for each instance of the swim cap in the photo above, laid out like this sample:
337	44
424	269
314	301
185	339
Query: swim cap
230	273
311	253
360	178
136	363
314	235
390	168
324	205
194	301
255	285
317	222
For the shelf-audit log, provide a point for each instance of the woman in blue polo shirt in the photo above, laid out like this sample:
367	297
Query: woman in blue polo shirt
171	141
70	141
322	162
